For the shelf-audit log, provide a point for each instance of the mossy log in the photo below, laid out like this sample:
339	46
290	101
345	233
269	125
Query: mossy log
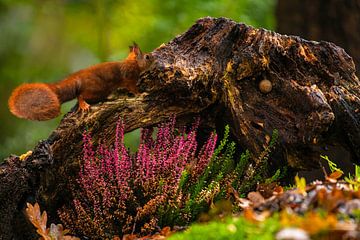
226	72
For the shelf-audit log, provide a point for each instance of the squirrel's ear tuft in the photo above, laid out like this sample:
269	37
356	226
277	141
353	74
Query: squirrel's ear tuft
135	52
136	49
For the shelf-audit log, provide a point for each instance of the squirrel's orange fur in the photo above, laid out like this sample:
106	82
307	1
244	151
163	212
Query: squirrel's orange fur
41	101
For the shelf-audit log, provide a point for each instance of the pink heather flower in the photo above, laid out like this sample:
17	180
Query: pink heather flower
205	154
112	177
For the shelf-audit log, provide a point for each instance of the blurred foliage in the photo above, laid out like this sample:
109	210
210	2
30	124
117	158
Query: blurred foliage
45	40
231	228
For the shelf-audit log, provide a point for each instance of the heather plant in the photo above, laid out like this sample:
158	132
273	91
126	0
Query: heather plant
118	192
223	175
168	182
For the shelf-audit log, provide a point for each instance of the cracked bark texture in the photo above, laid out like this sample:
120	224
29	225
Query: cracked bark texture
212	70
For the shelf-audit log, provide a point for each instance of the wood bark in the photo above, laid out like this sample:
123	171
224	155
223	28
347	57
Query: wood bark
213	70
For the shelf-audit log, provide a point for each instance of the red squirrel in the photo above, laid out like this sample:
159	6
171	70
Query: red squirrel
42	101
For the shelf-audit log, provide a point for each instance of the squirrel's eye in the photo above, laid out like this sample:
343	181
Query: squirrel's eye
147	57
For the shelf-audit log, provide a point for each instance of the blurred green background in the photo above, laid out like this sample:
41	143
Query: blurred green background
45	40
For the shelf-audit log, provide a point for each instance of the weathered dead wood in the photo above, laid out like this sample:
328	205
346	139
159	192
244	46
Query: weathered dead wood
212	70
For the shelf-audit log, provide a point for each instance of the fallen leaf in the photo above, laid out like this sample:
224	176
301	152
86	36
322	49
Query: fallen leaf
55	232
335	175
166	231
278	190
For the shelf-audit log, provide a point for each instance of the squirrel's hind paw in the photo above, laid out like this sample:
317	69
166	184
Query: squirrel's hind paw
83	106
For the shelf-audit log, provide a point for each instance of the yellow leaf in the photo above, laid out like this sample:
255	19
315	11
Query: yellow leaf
300	185
25	155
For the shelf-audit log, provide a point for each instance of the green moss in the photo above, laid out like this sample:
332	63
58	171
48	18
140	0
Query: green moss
231	228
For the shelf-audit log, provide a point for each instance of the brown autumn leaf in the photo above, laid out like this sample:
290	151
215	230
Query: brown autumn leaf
322	196
39	221
336	197
250	215
55	232
278	190
317	224
166	231
357	194
129	237
69	238
334	176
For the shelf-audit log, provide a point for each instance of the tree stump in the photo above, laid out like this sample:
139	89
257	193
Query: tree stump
226	72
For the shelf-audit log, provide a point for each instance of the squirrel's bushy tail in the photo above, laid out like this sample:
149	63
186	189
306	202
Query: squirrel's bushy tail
34	101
